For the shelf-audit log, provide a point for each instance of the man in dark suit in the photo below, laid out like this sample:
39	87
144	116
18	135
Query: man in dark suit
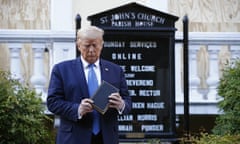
68	94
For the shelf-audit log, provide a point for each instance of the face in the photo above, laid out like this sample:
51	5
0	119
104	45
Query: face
90	49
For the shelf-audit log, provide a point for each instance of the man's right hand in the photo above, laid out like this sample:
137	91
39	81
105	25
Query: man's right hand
85	106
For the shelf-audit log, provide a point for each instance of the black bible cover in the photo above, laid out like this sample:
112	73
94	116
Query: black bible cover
100	97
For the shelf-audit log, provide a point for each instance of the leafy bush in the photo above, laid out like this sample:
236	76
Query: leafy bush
229	90
22	118
227	128
154	141
215	139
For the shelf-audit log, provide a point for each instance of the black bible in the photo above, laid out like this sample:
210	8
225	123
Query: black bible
100	97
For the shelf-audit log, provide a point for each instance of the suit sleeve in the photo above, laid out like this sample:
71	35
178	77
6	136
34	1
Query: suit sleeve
56	99
124	93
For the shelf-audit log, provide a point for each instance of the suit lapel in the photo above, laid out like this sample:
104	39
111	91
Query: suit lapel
104	70
80	76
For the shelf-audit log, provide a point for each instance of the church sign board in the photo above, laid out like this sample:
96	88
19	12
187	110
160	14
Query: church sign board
141	40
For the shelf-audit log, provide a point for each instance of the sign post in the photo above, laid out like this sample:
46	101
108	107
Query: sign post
141	40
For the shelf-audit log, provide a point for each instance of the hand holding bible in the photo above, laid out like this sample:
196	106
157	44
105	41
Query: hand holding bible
85	106
116	101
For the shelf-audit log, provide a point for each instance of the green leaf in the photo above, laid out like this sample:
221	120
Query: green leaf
21	114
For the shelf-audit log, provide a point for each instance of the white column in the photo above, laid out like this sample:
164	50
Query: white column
38	79
194	79
61	15
178	73
213	78
235	52
63	51
15	66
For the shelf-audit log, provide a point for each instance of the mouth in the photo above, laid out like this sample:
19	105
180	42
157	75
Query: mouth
91	56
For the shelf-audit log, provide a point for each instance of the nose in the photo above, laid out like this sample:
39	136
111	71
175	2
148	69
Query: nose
91	48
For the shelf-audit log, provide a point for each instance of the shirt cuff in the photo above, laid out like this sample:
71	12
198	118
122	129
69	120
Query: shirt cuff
120	111
79	115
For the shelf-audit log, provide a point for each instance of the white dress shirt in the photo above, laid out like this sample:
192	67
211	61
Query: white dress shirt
96	69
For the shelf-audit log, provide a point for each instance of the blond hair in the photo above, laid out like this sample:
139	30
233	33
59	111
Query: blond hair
90	32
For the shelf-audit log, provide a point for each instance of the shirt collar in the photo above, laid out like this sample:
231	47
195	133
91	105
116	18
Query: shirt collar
85	63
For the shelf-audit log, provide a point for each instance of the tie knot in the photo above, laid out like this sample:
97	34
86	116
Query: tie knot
91	65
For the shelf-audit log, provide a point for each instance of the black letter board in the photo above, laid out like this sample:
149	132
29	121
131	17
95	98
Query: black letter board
141	40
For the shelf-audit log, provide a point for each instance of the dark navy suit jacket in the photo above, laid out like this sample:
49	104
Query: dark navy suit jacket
68	86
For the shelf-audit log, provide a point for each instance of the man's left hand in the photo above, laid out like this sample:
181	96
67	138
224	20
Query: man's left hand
116	101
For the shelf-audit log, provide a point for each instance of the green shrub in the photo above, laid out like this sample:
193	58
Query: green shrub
205	138
22	118
229	90
154	141
227	128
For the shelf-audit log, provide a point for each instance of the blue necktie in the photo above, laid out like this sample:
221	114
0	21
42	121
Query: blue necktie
92	87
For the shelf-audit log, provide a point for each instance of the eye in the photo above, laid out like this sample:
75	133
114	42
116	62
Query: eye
87	45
